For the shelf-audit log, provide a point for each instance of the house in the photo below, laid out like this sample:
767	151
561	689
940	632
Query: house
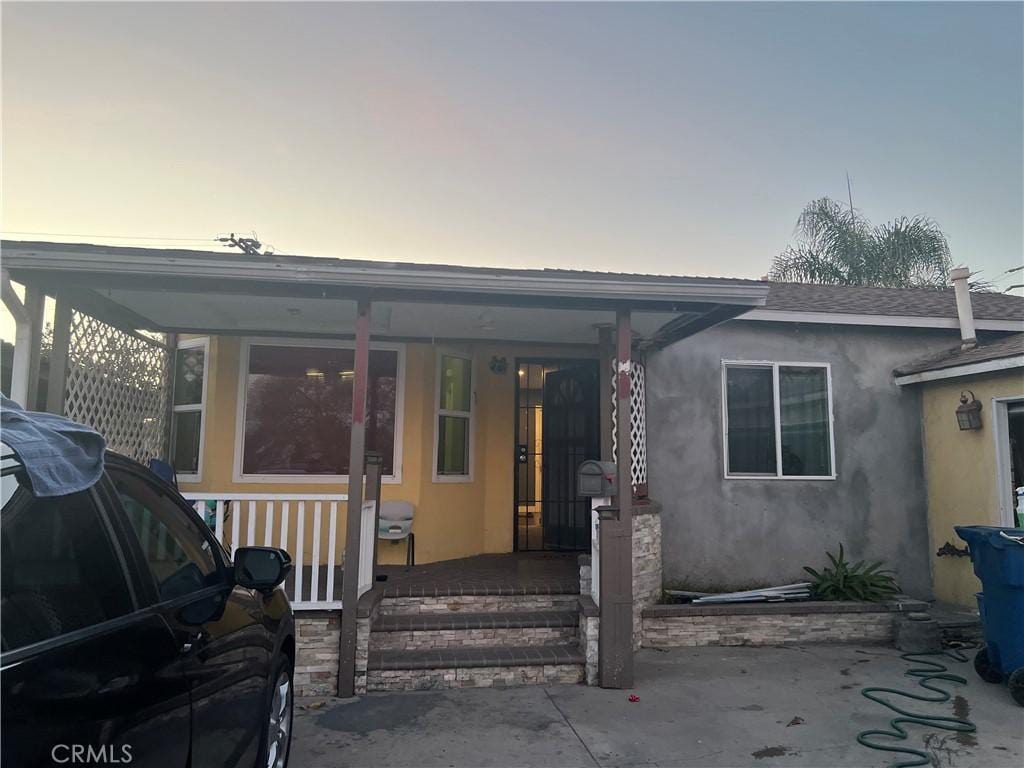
478	392
972	412
763	428
781	434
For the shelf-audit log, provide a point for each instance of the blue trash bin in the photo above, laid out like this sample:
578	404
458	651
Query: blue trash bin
998	558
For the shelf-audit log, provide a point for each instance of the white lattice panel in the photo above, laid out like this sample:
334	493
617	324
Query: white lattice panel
119	385
637	421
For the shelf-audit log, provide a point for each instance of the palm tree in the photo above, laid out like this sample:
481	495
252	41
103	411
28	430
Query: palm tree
835	246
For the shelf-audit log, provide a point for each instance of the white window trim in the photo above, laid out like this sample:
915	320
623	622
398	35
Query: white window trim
204	342
1001	433
439	412
726	364
243	372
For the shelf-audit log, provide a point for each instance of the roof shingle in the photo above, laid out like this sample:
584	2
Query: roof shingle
1007	346
905	302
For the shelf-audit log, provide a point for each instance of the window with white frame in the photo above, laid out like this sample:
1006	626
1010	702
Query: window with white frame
191	359
297	409
454	418
778	420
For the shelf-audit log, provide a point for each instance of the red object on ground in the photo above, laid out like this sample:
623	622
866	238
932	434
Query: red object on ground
634	698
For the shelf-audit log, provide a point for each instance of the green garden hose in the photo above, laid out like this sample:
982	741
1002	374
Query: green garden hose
932	670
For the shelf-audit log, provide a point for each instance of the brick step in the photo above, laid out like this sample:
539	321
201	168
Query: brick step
465	630
402	670
457	620
476	604
457	588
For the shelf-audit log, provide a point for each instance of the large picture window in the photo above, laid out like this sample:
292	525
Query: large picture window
778	420
454	418
298	409
190	373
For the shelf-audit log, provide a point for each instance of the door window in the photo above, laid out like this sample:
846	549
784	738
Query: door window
179	555
60	570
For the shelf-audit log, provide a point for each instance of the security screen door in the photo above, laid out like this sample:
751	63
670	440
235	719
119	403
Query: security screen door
558	427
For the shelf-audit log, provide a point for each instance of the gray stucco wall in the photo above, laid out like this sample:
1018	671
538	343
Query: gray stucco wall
731	533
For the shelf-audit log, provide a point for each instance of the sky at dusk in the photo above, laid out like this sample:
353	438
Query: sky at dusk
672	138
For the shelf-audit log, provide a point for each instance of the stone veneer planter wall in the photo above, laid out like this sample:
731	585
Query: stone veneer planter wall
676	626
317	644
590	620
317	639
646	584
646	562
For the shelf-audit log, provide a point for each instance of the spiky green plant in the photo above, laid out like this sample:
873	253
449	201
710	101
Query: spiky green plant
868	582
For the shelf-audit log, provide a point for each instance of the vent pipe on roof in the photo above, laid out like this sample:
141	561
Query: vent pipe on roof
964	312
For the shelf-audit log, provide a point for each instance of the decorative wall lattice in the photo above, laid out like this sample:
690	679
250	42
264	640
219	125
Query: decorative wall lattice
637	423
119	384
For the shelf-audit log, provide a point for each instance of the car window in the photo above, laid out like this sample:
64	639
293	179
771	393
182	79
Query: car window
60	571
179	556
9	464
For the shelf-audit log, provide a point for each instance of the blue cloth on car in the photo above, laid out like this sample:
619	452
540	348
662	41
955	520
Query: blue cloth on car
59	455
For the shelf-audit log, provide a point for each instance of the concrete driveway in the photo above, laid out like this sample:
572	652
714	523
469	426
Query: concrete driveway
758	707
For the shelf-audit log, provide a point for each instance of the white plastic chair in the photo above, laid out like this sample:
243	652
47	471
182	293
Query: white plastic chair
396	524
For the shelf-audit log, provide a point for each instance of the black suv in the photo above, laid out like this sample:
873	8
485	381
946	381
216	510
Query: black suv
128	637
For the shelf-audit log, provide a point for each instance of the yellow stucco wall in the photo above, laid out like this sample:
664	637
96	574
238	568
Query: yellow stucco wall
960	468
452	519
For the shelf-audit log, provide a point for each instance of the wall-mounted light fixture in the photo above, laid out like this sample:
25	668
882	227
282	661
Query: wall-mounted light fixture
968	413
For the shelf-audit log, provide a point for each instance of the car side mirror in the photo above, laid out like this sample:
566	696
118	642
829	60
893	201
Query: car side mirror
261	568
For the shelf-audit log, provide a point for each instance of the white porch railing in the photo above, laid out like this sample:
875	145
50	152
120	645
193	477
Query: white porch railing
284	520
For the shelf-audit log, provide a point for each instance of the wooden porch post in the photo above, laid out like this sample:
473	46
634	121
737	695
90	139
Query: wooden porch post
615	654
605	345
353	521
35	303
57	385
20	379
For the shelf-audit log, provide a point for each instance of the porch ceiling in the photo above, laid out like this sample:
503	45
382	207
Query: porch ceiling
389	319
202	292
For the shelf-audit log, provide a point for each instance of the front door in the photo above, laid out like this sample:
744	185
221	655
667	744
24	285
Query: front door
559	427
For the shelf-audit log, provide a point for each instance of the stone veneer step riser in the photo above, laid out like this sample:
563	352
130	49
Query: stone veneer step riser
472	634
470	638
391	606
473	677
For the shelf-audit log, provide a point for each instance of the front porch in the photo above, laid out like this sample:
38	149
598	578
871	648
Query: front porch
495	619
512	573
518	573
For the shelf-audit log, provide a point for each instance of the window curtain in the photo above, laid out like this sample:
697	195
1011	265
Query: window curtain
298	412
803	395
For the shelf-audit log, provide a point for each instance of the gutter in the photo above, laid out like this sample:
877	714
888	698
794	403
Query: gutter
956	371
892	321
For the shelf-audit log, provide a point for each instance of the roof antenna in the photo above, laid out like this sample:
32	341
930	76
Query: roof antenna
849	191
248	245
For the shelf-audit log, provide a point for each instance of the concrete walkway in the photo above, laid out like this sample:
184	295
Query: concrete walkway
698	707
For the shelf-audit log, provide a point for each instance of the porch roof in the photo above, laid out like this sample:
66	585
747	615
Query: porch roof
189	291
